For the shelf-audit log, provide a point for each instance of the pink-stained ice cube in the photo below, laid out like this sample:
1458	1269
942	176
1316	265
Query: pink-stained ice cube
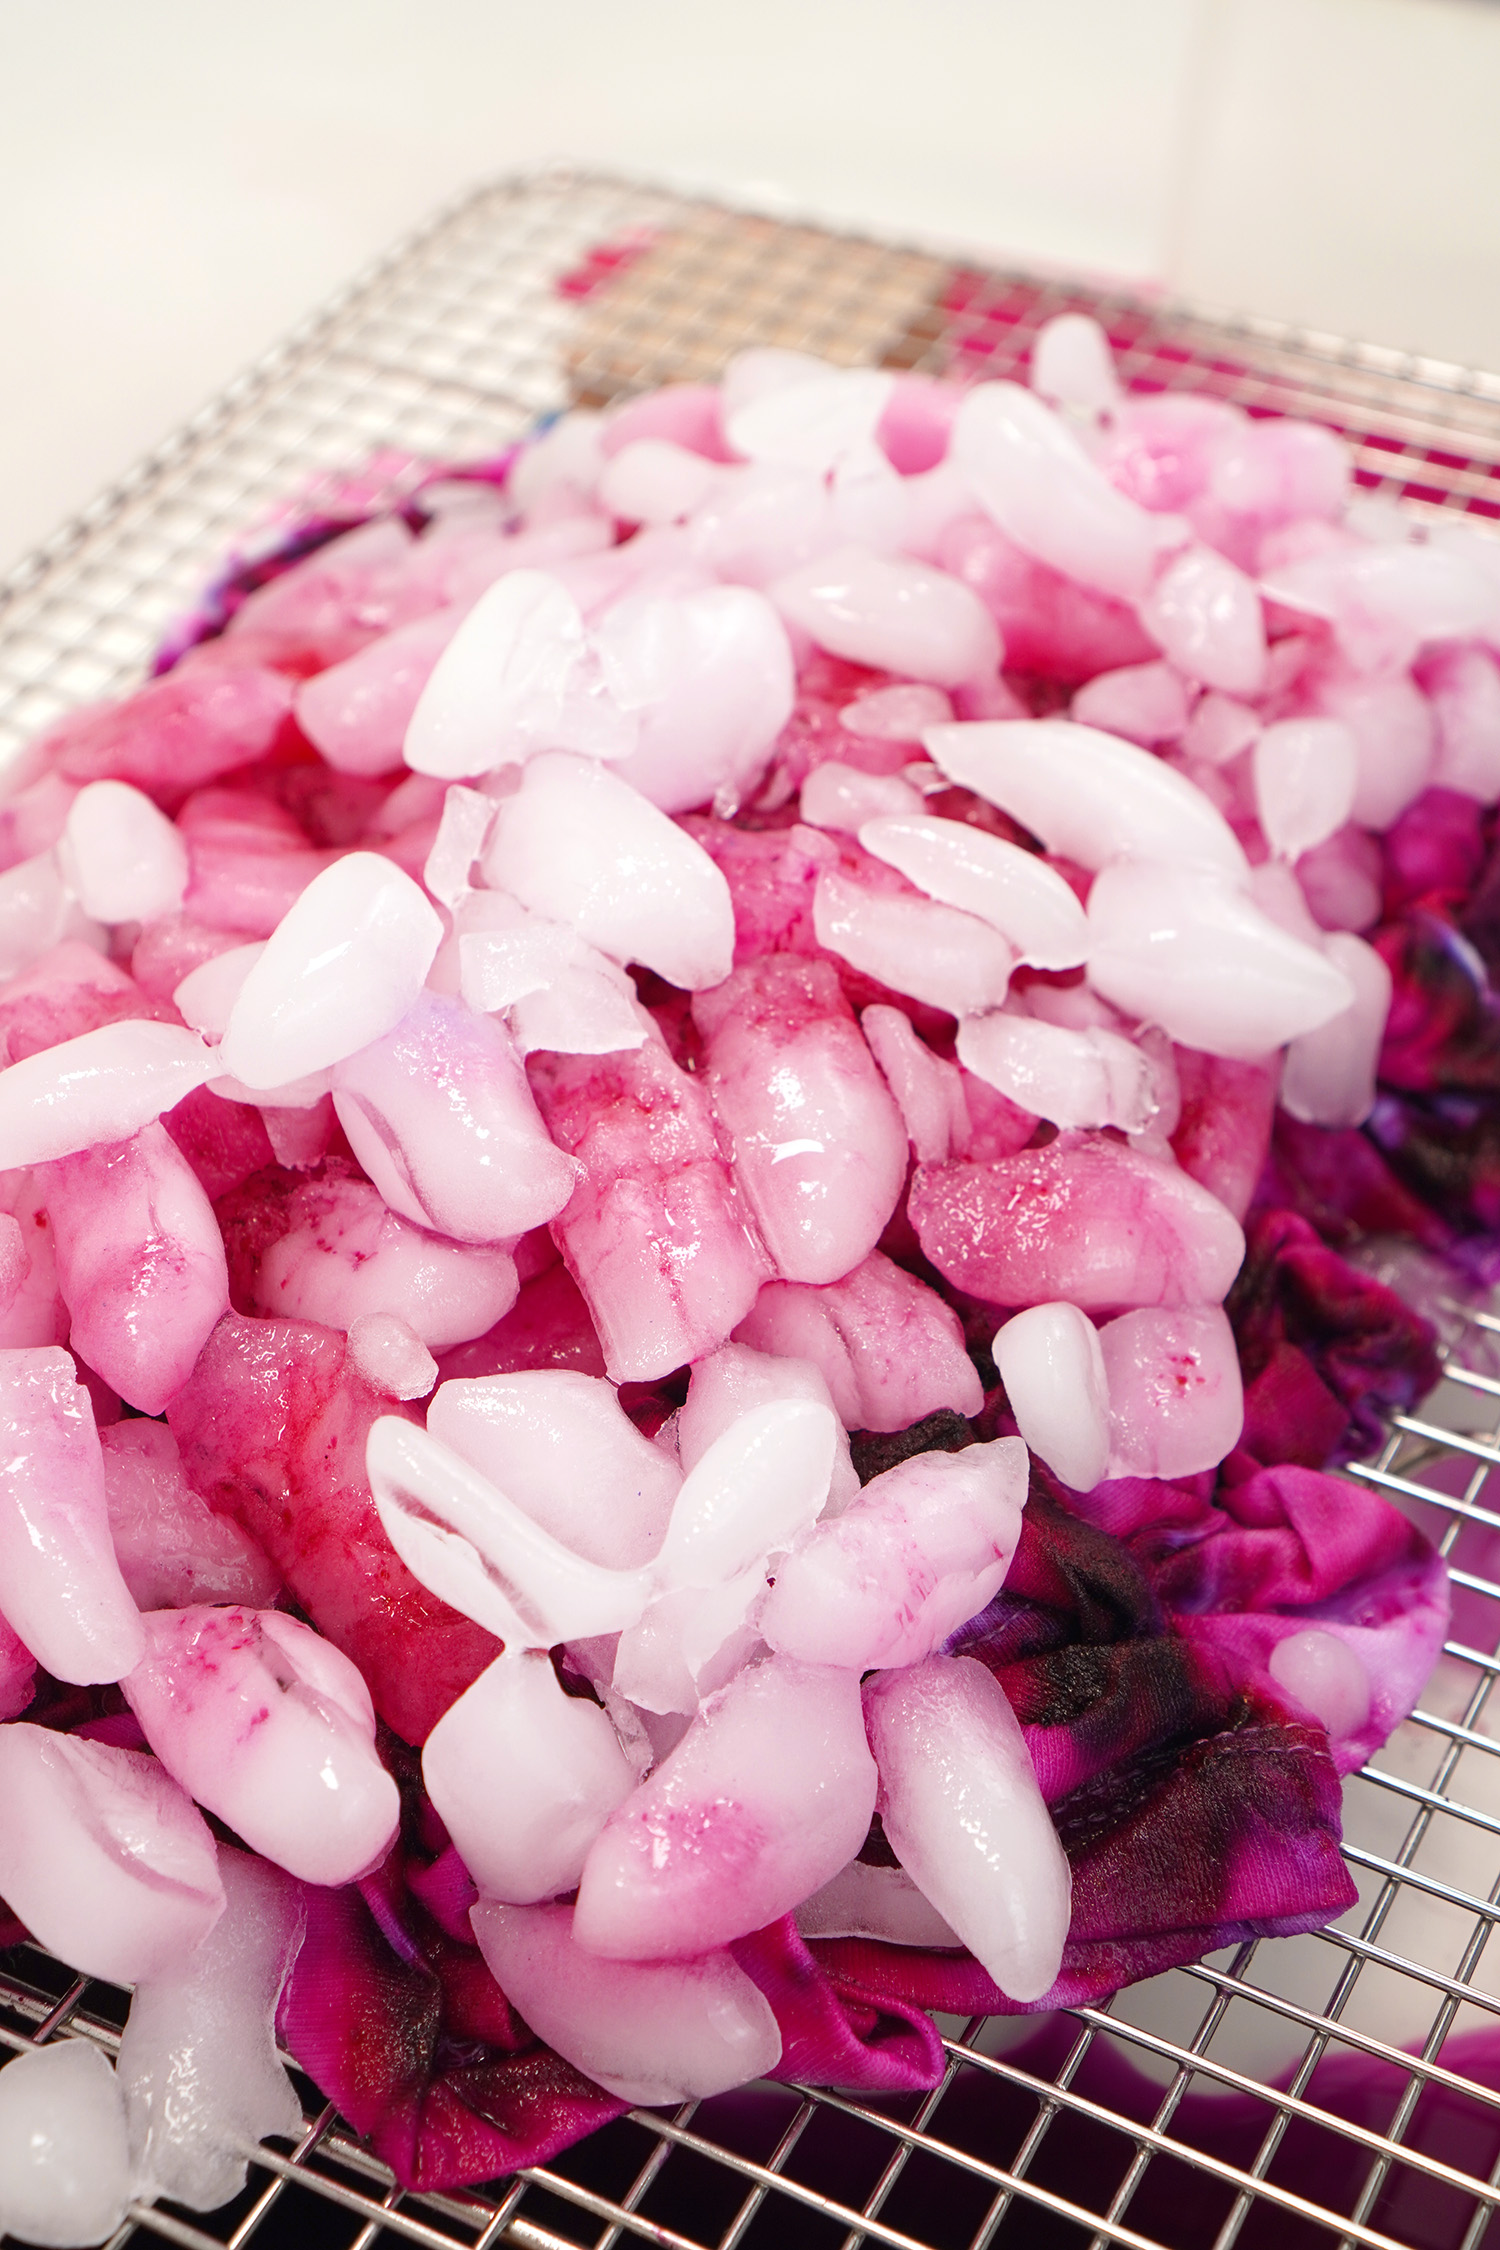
890	1350
197	2063
175	733
357	712
341	969
928	1091
560	1444
140	1262
579	845
654	480
1052	1368
1206	616
121	857
66	992
60	1586
1306	771
768	1794
819	1146
887	610
1016	891
839	796
1341	880
173	1550
1089	796
102	1855
1050	625
1147	703
1224	1127
523	1778
1329	1078
651	2032
1035	479
877	1902
475	1547
1183	948
391	1355
1075	1078
657	1234
753	1492
102	1086
1176	1401
1463	688
734	1379
1395	739
272	1425
36	1313
441	1117
271	1728
344	1254
1084	1220
922	1550
962	1811
710	674
910	944
38	912
810	416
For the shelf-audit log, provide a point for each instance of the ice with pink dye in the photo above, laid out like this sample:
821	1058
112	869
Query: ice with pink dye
103	1856
172	1547
61	1588
649	2031
271	1728
889	1348
658	1234
819	1147
922	1550
768	1794
1083	1220
140	1262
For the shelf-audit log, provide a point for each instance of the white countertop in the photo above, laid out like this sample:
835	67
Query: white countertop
182	183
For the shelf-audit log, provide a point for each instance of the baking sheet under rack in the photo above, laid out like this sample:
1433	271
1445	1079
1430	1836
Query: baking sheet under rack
1220	2104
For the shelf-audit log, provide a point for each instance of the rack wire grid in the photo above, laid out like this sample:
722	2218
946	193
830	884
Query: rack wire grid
1292	2090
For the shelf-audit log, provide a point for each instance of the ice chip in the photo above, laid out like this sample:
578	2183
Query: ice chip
122	858
1330	1072
1306	772
198	2064
65	2169
891	611
1206	615
524	1777
272	1728
1052	1367
1073	368
1089	796
1015	891
1034	478
962	1811
767	1795
581	846
102	1855
1181	947
102	1086
1322	1672
651	2032
1074	1078
935	953
341	969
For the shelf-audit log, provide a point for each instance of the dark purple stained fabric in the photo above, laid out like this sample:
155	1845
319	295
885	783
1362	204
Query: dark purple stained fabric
1326	1352
1196	1806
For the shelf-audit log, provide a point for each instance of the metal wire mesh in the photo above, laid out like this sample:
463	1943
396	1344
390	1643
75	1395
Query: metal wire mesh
1184	2112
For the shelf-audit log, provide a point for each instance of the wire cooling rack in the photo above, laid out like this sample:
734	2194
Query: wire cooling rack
1295	2091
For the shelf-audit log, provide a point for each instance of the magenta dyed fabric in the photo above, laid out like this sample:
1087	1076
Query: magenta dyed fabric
1196	1806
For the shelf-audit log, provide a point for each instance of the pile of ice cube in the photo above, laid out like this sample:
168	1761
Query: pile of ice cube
554	940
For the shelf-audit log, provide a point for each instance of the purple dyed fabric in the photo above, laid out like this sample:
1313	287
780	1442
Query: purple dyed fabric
1326	1352
1196	1807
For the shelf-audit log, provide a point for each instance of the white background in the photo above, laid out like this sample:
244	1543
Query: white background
180	180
